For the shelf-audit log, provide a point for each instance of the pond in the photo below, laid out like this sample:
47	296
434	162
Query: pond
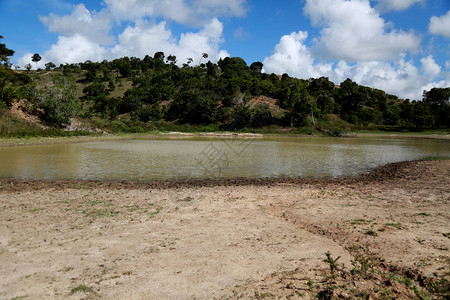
201	157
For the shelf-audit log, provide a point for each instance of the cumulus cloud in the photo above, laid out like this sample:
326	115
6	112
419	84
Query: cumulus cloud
194	12
400	76
87	35
354	31
147	38
396	5
430	67
93	26
440	25
293	57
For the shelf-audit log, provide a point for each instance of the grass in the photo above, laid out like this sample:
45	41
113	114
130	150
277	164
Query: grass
431	158
82	288
371	232
395	225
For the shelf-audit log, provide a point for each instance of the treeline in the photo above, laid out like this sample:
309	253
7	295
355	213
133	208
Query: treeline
216	93
220	93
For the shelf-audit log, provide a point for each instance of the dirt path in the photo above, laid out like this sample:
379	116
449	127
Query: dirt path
231	239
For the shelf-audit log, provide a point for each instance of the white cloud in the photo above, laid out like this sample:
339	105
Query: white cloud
87	35
354	31
440	25
147	38
396	5
430	67
194	12
293	57
94	26
399	77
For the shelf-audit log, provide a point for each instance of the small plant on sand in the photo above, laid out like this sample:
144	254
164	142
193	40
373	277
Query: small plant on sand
362	264
331	261
395	225
310	285
371	232
82	288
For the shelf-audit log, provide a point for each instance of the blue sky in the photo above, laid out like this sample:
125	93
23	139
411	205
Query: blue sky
401	46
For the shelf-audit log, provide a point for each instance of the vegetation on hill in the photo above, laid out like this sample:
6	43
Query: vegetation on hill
132	94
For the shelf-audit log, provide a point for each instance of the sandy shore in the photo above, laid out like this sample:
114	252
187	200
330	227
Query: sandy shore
229	239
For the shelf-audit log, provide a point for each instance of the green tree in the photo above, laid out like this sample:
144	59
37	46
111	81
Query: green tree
159	56
193	107
56	102
256	66
36	58
438	100
49	66
204	55
5	53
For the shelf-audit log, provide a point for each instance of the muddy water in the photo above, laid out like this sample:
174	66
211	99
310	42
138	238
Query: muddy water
166	158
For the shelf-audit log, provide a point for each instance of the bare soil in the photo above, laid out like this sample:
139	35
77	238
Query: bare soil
386	233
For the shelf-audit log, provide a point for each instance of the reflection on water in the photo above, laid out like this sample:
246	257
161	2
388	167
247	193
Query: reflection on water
197	157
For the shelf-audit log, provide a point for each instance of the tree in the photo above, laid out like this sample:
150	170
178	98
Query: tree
49	66
159	56
256	66
57	102
28	67
36	58
438	100
204	55
172	59
5	53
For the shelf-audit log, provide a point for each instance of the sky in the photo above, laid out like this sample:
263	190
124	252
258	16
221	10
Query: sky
400	46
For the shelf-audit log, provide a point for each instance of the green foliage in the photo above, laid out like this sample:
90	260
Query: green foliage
216	94
331	261
193	107
56	103
438	101
5	53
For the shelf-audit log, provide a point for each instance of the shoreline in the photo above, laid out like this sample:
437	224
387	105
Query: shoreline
385	173
34	141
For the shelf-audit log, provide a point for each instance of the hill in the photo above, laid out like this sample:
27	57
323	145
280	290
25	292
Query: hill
153	93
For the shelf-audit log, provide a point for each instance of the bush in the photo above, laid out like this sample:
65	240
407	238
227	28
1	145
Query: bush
56	103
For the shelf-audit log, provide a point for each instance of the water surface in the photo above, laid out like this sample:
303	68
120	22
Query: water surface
200	157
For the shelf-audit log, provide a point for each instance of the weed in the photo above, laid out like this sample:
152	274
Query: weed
431	157
263	295
395	225
310	285
154	213
423	214
36	209
438	287
362	265
331	261
82	288
360	222
371	232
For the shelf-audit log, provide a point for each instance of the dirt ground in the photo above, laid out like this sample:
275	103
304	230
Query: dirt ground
386	235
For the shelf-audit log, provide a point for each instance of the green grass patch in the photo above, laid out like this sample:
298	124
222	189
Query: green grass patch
431	158
394	225
82	288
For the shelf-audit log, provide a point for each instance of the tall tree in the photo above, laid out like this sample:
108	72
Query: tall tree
204	55
36	58
5	53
